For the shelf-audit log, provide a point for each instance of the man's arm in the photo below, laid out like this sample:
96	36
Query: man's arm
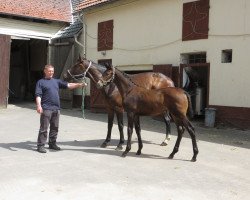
38	105
76	85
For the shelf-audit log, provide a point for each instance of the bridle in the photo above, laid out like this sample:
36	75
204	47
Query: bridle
110	80
82	75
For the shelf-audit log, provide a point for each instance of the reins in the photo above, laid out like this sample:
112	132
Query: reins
78	77
84	89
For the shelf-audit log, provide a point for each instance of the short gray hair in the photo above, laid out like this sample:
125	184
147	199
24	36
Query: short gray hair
48	66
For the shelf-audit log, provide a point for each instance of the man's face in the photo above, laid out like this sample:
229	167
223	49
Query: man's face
49	72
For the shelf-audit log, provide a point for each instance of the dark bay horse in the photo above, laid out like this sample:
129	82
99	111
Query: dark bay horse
113	99
140	101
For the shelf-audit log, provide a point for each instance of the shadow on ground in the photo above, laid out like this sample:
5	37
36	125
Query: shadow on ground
220	135
88	146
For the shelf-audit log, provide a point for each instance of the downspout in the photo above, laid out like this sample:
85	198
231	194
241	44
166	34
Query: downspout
84	36
84	91
80	44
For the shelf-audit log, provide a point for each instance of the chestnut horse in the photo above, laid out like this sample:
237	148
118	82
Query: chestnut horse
113	99
140	101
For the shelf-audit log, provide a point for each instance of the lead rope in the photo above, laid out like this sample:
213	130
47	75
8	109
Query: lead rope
84	89
83	97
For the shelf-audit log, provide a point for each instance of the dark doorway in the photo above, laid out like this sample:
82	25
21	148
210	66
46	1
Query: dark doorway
197	84
27	59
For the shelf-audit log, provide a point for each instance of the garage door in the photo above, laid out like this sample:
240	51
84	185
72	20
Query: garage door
4	69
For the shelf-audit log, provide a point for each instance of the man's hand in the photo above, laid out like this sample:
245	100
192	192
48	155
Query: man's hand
76	85
83	84
39	109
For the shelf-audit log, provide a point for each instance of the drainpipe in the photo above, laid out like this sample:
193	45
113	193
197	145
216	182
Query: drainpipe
84	90
84	36
76	40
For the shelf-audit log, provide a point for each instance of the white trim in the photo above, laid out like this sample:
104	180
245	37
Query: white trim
27	29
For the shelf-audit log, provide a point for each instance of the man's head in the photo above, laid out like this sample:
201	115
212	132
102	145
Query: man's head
48	71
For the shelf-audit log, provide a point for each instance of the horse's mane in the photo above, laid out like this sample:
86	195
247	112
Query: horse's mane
128	77
100	67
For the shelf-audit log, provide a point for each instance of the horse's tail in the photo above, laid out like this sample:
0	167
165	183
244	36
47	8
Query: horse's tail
190	107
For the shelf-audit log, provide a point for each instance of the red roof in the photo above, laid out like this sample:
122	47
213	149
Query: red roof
56	10
91	3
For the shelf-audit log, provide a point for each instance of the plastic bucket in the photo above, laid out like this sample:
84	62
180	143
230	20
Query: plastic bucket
210	117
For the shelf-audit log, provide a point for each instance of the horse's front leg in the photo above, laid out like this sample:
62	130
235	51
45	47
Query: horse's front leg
167	120
138	133
119	116
110	125
130	116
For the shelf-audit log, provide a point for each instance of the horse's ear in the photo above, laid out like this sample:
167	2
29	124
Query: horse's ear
107	65
80	58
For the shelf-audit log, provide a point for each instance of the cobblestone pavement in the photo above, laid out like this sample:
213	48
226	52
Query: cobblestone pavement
83	170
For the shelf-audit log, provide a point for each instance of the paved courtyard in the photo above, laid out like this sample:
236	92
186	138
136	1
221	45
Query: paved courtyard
83	170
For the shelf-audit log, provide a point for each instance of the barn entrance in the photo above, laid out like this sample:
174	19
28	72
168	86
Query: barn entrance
27	59
194	78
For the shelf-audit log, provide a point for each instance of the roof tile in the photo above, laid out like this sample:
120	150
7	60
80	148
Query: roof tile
90	3
56	10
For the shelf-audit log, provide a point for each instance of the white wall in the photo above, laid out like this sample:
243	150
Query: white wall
229	25
149	32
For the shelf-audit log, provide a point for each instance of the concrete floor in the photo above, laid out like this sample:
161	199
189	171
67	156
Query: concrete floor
83	170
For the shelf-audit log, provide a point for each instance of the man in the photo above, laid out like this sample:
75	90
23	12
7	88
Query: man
48	106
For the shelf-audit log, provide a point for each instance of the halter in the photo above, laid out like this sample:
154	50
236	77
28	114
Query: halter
82	75
105	83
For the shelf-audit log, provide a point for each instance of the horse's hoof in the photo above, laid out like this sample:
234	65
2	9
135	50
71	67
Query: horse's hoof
124	154
193	160
118	148
138	153
170	156
104	145
164	144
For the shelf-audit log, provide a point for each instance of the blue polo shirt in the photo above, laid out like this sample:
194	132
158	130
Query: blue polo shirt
48	90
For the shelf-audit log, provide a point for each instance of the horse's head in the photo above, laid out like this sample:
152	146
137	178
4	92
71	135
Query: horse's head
107	77
77	71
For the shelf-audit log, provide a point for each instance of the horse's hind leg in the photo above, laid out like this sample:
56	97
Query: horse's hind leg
129	132
119	116
180	130
138	133
110	125
167	119
191	132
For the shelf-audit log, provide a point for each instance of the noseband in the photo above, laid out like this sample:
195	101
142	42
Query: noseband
82	75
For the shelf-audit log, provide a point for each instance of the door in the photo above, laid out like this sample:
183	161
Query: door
97	101
199	75
164	69
169	71
4	69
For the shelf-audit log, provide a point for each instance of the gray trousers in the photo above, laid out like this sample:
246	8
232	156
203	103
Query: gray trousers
48	119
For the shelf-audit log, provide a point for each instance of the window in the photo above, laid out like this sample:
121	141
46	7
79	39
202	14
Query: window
197	58
195	20
226	56
105	35
191	58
